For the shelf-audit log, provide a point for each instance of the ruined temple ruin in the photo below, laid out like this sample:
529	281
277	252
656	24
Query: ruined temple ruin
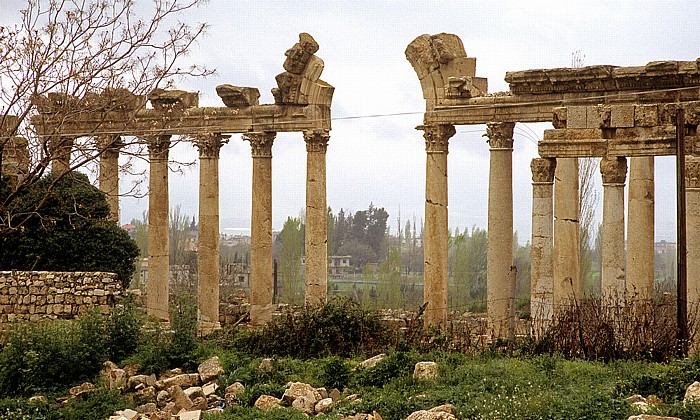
302	104
613	113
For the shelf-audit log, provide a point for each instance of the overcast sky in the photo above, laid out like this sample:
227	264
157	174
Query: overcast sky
382	159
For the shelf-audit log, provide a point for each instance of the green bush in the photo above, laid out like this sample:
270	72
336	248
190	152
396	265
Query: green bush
55	354
162	350
336	373
21	409
50	356
395	365
341	327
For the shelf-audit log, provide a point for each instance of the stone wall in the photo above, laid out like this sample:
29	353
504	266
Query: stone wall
36	295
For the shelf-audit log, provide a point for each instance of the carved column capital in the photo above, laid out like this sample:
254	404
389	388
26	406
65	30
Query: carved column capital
158	146
500	135
692	172
209	144
109	145
437	137
316	140
613	169
261	143
543	170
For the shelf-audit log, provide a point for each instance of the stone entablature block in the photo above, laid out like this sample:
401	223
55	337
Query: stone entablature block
620	130
36	295
655	75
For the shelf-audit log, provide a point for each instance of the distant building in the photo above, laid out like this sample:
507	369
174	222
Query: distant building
663	247
339	263
130	229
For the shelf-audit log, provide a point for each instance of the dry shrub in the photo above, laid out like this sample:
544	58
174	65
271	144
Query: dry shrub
609	328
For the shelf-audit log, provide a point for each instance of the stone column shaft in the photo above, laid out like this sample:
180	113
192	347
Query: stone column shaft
158	229
612	277
316	238
640	229
567	284
109	173
541	251
435	240
208	238
500	226
60	149
692	223
261	293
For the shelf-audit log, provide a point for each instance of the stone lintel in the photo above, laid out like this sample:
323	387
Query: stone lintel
506	107
632	142
191	121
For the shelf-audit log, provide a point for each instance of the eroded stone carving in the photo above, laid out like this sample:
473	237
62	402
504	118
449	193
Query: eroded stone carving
158	146
613	169
543	170
657	74
300	83
210	144
238	96
444	70
165	100
437	137
316	140
261	143
692	172
500	135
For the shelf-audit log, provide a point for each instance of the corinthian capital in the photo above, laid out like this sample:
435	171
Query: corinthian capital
692	171
437	137
316	140
613	169
543	170
260	143
209	144
500	135
158	146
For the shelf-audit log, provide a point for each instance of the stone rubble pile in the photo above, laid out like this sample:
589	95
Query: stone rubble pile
175	395
643	405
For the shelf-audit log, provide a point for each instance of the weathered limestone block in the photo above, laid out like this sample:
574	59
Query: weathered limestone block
300	83
304	404
210	369
300	389
692	393
238	96
267	402
426	371
164	100
180	398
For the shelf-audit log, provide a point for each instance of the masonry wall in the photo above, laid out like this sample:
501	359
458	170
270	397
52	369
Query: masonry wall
37	295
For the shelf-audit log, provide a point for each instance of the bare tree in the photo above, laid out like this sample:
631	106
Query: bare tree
588	199
78	57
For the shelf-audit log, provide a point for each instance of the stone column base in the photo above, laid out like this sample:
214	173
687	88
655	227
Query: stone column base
206	327
261	314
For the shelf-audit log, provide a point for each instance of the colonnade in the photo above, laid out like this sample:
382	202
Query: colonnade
261	288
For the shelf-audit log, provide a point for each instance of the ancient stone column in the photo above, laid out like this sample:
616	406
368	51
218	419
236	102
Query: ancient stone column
109	173
208	238
261	293
435	236
640	229
567	284
499	258
612	277
692	226
60	148
316	269
158	238
541	251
